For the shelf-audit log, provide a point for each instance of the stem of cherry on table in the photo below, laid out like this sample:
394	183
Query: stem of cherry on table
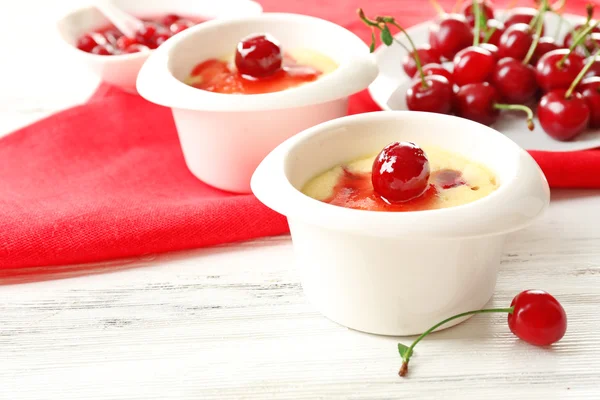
538	31
577	41
580	76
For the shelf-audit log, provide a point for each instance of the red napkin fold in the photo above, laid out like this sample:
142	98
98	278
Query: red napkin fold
107	179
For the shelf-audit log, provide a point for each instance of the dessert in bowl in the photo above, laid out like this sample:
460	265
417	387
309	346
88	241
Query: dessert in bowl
228	115
378	270
92	41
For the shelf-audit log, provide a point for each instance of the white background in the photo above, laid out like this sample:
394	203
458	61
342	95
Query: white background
231	322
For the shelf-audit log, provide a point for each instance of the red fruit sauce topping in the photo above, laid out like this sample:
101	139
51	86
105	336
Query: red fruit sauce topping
110	41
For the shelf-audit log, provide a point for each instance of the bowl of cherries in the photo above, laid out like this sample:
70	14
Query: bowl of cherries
116	58
514	69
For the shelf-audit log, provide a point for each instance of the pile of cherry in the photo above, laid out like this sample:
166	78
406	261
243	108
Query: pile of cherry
499	66
110	41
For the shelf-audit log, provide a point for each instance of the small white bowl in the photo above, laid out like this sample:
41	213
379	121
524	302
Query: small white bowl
399	273
122	70
225	136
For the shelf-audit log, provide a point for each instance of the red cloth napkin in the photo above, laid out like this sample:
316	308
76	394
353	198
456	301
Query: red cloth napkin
107	179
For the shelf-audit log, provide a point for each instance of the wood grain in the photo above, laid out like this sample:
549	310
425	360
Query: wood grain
230	322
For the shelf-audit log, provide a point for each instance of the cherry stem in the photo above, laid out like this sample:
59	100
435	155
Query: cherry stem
518	107
577	42
408	353
580	76
538	32
488	34
416	53
437	7
477	16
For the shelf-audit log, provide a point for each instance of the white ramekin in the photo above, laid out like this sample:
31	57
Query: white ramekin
223	136
122	70
398	273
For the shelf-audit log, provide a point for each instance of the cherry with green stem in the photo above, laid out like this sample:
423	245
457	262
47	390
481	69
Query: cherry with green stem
534	316
570	37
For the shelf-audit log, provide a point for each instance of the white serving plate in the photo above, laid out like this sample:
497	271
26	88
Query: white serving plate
390	86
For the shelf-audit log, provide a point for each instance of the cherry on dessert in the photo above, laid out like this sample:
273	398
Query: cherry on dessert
515	41
431	93
436	69
493	32
103	50
180	26
170	19
469	13
427	56
545	45
537	318
258	56
557	69
590	91
88	41
472	65
449	35
480	102
400	172
534	316
514	80
563	117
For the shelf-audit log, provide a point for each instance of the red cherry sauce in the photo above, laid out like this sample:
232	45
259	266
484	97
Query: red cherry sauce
217	76
355	190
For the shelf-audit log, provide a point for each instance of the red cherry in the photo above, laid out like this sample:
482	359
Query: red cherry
435	97
427	56
136	48
88	41
551	74
486	10
521	15
437	69
538	318
545	45
515	41
473	64
514	80
594	69
125	42
258	56
589	43
180	26
491	48
497	28
103	50
400	172
590	91
450	35
563	117
170	19
476	102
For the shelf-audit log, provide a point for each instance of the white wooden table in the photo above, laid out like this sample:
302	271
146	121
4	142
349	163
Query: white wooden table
230	322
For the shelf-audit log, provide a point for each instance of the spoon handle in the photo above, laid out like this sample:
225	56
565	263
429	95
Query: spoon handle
124	22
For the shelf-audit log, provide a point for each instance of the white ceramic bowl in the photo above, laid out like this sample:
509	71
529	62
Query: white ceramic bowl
398	273
122	70
225	136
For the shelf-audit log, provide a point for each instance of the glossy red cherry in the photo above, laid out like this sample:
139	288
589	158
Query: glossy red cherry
545	45
125	42
103	50
537	318
514	80
594	68
563	117
590	91
486	9
258	56
557	69
515	41
427	56
449	35
491	48
170	19
472	65
435	97
436	69
589	42
400	172
521	15
180	26
88	41
496	28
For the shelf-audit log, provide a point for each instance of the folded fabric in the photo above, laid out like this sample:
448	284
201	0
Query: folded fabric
107	179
